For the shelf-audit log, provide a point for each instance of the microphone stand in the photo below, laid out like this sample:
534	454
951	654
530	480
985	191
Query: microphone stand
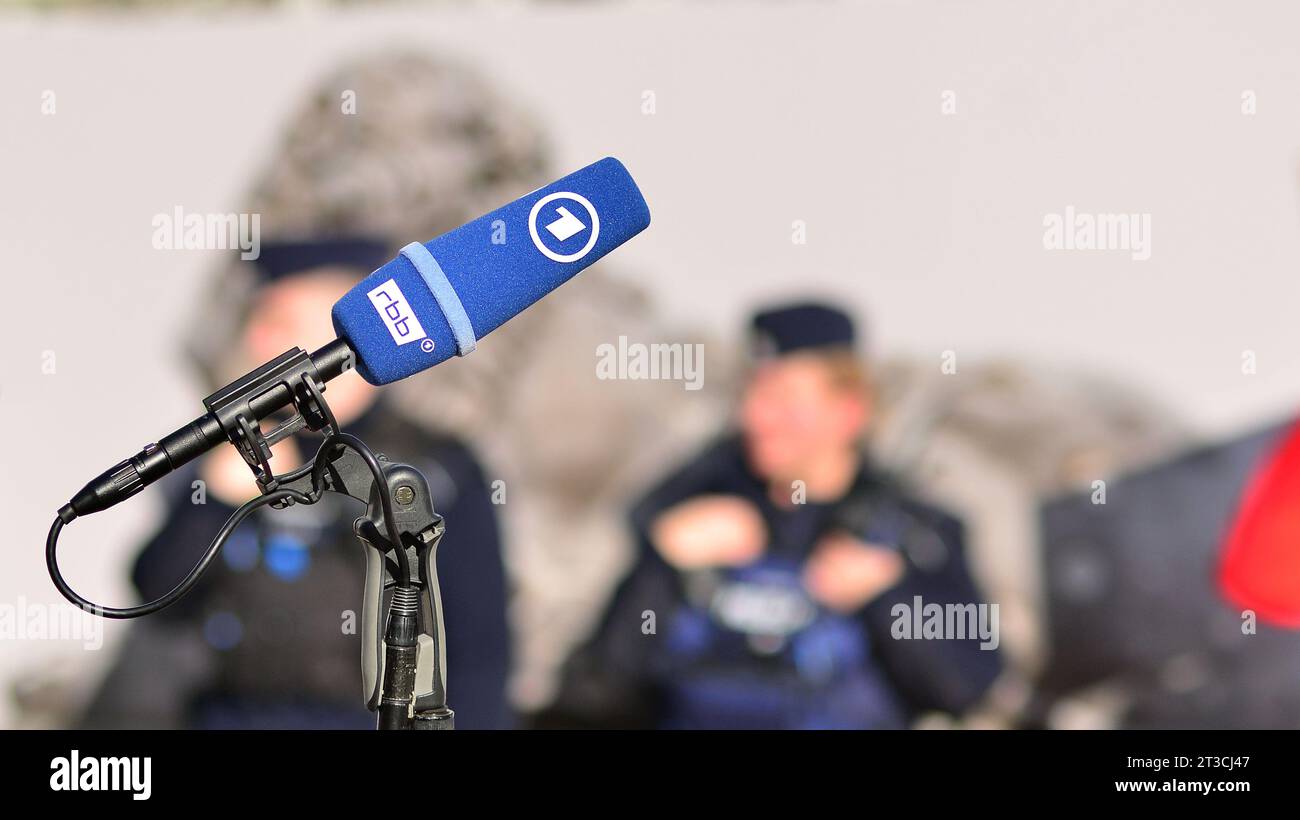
403	655
402	634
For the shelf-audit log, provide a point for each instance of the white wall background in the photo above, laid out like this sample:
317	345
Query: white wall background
766	113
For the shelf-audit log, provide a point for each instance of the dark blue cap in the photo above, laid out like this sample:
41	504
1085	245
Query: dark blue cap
799	327
283	258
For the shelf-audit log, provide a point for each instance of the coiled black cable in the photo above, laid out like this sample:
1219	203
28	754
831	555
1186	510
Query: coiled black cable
316	467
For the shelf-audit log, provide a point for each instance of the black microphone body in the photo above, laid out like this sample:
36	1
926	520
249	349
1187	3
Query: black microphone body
173	451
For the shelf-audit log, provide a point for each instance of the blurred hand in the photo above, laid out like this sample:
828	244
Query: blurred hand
845	574
231	482
710	531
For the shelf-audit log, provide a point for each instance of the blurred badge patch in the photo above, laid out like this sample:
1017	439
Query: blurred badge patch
768	605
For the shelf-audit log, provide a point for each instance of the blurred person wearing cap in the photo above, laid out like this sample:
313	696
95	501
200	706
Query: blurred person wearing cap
771	566
269	637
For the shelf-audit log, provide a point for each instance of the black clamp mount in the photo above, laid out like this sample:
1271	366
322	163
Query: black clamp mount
293	372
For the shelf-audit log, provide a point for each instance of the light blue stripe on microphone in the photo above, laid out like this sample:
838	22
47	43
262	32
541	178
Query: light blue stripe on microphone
444	294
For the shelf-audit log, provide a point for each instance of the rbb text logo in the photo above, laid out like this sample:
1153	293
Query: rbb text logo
392	307
569	226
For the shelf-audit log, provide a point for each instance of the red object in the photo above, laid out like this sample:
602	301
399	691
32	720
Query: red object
1261	562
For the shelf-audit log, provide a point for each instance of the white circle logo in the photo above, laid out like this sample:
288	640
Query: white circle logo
566	226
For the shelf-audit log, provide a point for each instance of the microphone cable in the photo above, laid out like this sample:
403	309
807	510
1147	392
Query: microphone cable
401	569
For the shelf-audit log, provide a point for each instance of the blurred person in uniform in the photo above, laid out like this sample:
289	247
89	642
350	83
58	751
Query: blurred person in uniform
771	565
387	149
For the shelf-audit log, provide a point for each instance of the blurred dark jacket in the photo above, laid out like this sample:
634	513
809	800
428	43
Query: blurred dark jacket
1134	610
270	637
625	677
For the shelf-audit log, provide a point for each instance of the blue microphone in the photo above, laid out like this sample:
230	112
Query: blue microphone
437	299
433	301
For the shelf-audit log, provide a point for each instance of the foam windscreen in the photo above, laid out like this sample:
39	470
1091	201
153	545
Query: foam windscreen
438	299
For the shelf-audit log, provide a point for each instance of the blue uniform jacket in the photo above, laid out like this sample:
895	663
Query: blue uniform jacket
740	649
